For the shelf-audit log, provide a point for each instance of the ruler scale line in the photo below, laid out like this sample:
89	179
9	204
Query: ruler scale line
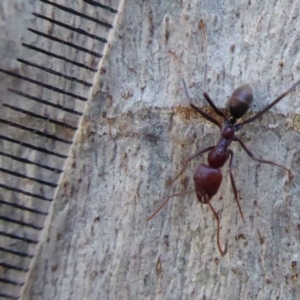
7	266
7	281
80	65
17	253
76	13
69	110
78	30
94	3
29	241
23	61
9	296
47	119
46	86
22	207
13	173
27	161
6	219
10	188
40	149
55	39
35	131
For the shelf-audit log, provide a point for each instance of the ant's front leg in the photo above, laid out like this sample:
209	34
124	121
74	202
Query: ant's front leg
236	139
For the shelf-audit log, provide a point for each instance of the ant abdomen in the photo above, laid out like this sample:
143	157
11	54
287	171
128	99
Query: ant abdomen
207	182
240	100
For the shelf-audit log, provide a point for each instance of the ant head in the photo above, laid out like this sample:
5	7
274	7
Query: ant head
240	101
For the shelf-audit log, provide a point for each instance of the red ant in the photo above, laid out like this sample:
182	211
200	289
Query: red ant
208	178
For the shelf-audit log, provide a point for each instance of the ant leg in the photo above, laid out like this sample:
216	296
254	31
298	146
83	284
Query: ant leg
165	202
188	160
233	184
198	109
259	114
223	252
260	160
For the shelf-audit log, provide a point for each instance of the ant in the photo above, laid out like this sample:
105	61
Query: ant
208	178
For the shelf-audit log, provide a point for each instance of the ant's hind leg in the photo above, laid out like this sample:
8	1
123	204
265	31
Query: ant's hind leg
233	184
188	160
261	160
166	201
223	252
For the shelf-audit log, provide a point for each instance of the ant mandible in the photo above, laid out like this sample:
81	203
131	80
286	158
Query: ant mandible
208	178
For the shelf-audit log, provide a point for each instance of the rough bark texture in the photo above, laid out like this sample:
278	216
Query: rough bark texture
137	130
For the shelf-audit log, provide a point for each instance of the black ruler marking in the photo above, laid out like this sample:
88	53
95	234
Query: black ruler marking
27	145
47	119
17	174
16	268
23	61
22	207
27	161
63	108
59	57
55	39
8	281
10	188
46	86
76	13
35	131
94	3
12	236
78	30
10	220
9	296
17	253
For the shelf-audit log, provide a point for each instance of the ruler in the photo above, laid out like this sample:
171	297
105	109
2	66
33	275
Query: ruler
50	59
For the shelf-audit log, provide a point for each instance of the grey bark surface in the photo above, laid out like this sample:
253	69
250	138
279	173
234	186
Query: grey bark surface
137	130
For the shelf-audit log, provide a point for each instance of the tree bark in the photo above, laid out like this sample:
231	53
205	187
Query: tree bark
137	130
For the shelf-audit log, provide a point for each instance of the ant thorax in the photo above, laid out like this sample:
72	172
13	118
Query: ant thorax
228	130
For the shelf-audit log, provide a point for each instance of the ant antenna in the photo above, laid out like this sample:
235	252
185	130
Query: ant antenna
204	36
